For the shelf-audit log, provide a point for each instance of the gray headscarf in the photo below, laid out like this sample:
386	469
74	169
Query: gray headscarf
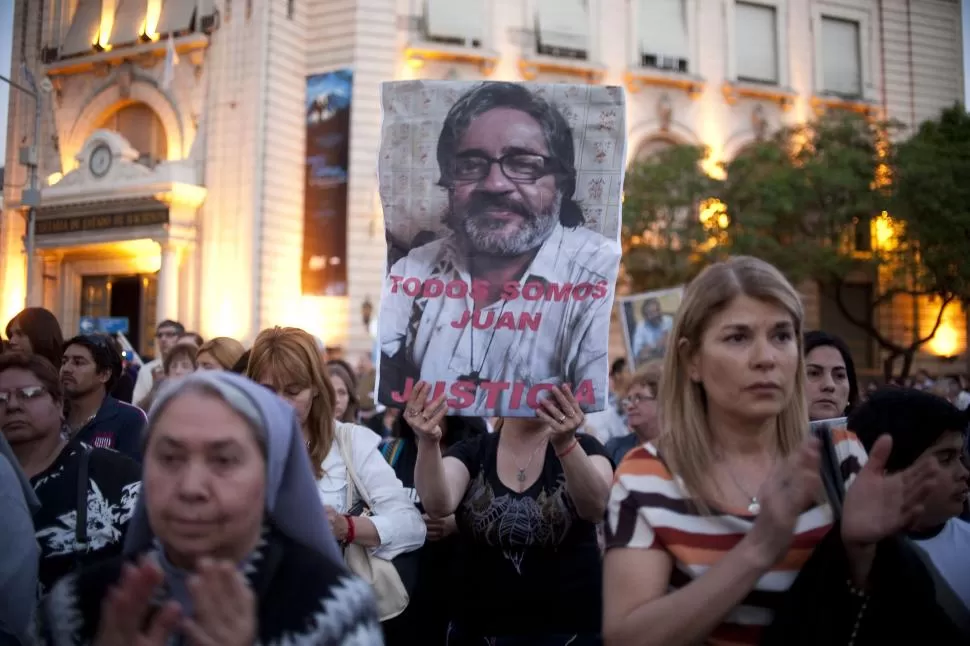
292	502
29	496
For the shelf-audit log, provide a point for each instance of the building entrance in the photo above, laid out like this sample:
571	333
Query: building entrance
129	296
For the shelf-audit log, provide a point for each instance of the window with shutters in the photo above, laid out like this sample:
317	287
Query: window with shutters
662	35
756	43
841	57
562	28
455	22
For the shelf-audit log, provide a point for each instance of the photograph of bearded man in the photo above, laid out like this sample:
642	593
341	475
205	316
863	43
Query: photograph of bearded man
527	287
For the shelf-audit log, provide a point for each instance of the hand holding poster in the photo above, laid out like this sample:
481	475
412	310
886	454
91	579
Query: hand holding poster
648	319
502	214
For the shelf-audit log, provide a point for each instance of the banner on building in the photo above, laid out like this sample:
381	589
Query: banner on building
647	321
325	204
502	213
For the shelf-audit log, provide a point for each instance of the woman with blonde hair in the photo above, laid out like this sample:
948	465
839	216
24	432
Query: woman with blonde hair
287	362
220	353
709	525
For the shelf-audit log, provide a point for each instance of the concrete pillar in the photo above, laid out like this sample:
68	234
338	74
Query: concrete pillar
168	281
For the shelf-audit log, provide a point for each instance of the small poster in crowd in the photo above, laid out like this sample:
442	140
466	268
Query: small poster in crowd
502	214
648	319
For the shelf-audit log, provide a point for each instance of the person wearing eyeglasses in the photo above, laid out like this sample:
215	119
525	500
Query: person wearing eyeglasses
87	494
517	250
640	406
166	336
90	367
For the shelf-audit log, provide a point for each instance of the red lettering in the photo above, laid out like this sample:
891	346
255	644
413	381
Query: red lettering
412	286
533	291
492	391
433	288
558	293
586	394
505	322
456	289
480	289
462	394
515	401
530	321
403	396
510	291
396	283
439	390
600	290
532	399
582	291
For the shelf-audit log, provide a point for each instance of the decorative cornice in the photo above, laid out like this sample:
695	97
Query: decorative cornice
419	53
145	54
637	79
821	103
531	67
784	97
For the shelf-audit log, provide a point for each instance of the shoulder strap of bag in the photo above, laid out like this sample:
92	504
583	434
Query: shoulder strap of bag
345	443
946	598
81	526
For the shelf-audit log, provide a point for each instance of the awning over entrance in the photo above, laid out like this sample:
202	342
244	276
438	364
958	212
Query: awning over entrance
106	216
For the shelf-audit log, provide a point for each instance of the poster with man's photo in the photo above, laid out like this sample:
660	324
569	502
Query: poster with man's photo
502	214
648	319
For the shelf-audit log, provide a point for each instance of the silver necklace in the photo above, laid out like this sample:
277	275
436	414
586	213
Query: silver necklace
754	506
520	474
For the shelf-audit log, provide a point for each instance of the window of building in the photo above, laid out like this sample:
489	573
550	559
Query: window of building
662	35
756	42
139	124
562	28
455	22
841	54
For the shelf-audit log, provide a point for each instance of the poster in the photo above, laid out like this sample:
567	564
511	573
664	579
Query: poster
502	215
647	321
324	263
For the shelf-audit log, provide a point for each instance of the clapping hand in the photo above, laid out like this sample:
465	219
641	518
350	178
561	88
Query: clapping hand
423	417
126	608
792	487
878	504
225	606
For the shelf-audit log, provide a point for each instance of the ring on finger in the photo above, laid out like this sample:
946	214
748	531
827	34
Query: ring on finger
562	418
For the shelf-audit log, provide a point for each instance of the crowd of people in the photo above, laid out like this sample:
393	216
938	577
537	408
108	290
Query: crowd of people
225	495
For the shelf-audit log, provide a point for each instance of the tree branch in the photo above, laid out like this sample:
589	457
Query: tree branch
865	326
936	326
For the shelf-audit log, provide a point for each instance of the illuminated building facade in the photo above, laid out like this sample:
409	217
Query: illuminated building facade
177	190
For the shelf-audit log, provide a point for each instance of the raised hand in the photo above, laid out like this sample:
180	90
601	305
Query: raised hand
423	417
225	606
879	504
793	486
127	607
561	412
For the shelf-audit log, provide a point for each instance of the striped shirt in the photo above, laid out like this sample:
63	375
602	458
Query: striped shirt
648	509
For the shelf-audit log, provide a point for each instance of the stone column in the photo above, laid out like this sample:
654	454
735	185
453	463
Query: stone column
168	281
36	296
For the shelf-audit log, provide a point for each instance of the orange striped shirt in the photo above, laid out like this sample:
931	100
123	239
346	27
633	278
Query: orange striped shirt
649	509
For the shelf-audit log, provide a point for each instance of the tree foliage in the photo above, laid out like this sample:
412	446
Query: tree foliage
814	199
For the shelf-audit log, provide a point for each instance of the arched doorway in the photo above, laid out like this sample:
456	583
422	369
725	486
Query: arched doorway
139	124
653	146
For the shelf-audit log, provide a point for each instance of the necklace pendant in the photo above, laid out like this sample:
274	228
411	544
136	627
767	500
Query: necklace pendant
754	507
520	476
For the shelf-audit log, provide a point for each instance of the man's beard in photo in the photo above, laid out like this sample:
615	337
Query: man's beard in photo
483	234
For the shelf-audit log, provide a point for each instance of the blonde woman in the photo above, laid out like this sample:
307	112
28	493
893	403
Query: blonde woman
288	362
709	525
220	353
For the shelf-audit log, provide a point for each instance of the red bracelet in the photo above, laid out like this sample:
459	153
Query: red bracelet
351	530
569	450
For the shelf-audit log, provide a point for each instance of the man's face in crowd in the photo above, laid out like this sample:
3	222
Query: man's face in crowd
165	338
79	372
651	312
949	495
497	215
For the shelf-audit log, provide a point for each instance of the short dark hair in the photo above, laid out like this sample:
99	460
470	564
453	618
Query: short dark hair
491	95
104	352
195	336
915	419
181	350
179	328
39	366
43	330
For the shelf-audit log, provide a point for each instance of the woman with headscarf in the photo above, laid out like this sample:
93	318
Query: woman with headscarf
19	552
229	544
831	388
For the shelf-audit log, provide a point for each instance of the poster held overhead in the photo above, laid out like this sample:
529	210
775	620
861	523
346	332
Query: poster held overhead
502	214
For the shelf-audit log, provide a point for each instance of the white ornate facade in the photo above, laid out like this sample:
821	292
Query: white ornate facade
226	164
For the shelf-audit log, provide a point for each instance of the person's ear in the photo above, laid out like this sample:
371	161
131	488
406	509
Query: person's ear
690	358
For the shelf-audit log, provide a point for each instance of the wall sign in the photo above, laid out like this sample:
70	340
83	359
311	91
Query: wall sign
79	223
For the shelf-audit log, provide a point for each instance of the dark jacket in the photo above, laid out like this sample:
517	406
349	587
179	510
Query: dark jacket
302	598
901	608
117	426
